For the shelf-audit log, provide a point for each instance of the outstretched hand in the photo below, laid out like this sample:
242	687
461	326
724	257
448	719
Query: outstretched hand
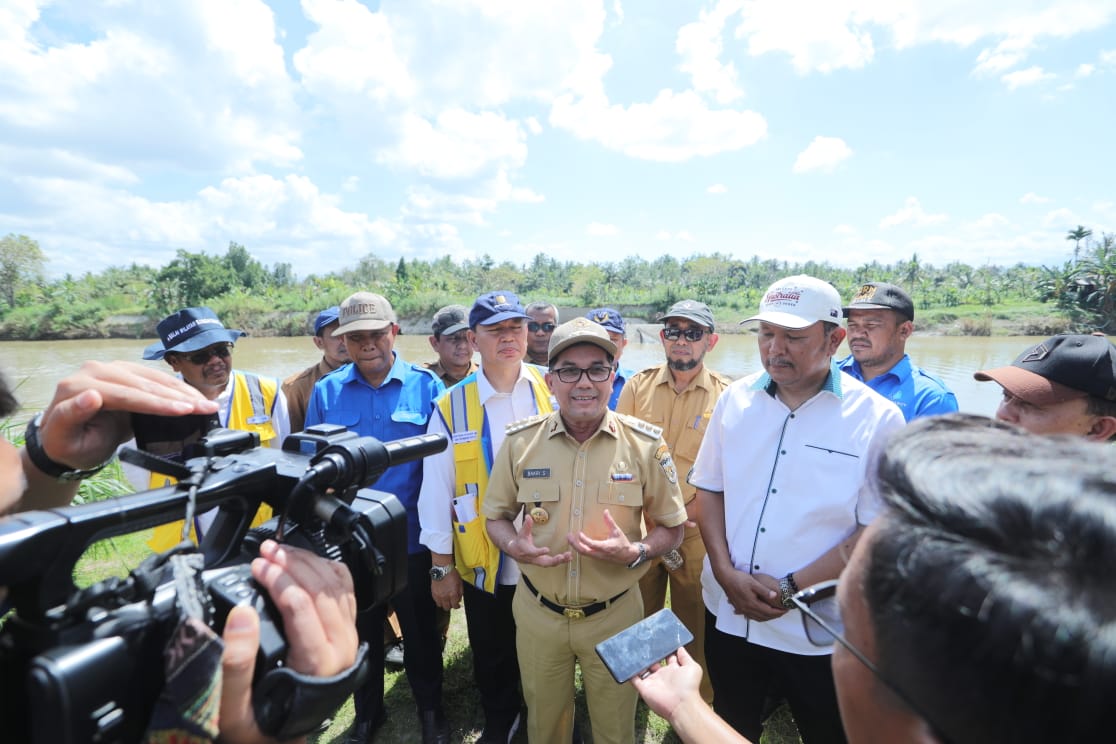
90	414
616	547
524	550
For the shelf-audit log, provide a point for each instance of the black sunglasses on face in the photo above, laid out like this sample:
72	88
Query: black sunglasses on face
534	327
691	334
201	357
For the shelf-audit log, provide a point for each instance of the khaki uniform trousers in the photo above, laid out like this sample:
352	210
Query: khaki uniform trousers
548	644
685	598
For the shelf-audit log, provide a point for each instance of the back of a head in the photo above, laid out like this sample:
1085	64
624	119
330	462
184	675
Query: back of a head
990	582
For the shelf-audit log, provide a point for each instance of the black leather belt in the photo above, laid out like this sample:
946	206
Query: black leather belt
573	613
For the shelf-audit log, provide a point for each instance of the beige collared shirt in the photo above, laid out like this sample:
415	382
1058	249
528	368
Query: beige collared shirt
624	467
683	417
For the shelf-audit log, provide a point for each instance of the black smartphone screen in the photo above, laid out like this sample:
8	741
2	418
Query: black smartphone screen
651	640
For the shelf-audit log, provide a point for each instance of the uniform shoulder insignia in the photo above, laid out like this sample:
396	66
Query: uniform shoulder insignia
650	430
526	423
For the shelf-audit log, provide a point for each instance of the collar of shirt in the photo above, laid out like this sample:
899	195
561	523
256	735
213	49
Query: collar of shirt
832	382
701	381
485	390
397	372
901	371
609	425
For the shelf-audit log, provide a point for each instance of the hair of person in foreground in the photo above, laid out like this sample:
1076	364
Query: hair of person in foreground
989	581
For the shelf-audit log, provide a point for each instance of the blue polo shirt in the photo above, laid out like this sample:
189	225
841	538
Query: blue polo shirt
917	392
622	375
399	407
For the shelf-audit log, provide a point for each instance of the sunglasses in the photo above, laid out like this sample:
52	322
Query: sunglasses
691	334
201	357
534	327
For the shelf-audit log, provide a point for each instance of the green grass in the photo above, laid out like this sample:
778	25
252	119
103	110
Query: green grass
116	556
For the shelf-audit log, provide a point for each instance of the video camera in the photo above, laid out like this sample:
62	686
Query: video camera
88	665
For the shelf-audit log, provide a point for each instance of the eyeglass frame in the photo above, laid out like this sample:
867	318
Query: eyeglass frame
826	590
534	326
220	350
583	371
693	335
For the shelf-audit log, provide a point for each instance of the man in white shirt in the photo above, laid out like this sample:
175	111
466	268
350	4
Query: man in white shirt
780	506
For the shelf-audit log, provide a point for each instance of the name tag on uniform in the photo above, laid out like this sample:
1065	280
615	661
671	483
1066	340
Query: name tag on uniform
536	473
461	437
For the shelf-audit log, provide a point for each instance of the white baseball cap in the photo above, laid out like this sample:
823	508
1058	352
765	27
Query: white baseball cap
799	301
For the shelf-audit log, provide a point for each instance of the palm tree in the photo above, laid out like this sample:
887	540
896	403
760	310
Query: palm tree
1077	235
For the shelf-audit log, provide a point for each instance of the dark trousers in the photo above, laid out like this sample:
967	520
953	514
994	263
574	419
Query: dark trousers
744	674
422	643
492	638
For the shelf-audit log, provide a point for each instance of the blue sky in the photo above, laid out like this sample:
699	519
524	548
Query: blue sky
317	132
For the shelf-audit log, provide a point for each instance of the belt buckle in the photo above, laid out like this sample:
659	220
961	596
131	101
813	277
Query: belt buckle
573	613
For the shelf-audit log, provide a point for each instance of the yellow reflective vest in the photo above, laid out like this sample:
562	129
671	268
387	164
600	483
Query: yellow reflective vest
476	557
253	400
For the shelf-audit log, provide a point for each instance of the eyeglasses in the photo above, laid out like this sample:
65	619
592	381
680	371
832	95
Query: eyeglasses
221	351
572	375
534	327
821	619
691	334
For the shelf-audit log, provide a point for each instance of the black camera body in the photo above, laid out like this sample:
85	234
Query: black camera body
88	665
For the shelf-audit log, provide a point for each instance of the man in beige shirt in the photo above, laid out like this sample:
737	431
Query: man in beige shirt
582	478
298	386
678	396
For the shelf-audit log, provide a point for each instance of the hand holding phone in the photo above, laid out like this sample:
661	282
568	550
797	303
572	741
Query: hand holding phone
649	641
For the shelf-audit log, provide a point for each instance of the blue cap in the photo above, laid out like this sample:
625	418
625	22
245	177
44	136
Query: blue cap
494	307
190	329
325	317
610	318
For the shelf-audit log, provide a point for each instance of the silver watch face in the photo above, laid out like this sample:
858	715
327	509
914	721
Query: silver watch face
437	573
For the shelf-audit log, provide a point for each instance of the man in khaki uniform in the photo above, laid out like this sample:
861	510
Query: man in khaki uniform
449	337
582	478
298	386
678	396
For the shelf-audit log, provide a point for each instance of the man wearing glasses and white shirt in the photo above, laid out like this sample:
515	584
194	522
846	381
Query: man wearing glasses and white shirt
780	506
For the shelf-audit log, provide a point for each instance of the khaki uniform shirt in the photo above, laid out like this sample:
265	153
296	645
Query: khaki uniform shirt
447	379
624	467
298	387
683	417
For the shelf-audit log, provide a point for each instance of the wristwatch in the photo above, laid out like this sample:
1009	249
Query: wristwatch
48	466
641	558
437	573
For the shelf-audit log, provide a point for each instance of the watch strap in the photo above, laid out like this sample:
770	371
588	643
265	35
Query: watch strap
41	460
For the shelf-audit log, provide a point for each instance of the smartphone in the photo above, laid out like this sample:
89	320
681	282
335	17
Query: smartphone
649	641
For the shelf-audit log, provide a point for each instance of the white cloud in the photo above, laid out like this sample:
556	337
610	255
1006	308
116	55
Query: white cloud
700	47
845	230
1085	70
717	188
1032	198
662	235
911	213
1030	76
460	144
673	128
470	207
600	229
199	85
990	221
827	35
533	125
823	154
1108	57
1063	217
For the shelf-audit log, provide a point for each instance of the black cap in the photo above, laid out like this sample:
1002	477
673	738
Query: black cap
1059	368
881	296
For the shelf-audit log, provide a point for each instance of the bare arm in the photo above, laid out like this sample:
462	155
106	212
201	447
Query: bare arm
830	563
